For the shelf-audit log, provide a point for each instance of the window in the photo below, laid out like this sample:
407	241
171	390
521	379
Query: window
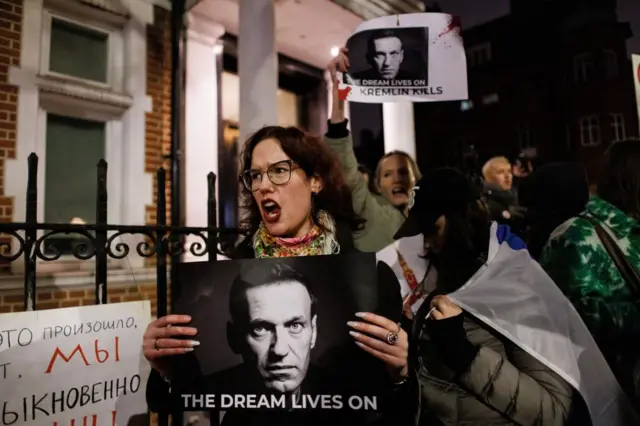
101	59
610	64
479	54
70	180
84	122
466	105
583	67
80	121
524	137
617	124
590	131
490	99
67	39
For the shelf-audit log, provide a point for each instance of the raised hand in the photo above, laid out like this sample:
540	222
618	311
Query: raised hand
338	64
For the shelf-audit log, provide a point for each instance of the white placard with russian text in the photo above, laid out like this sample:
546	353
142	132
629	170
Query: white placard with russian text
74	366
418	57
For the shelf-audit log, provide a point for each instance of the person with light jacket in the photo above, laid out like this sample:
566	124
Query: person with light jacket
395	175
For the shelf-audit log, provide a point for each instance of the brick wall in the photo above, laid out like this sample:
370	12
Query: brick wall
158	121
54	297
10	29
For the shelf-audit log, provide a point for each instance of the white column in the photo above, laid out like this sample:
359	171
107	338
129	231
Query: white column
201	120
347	114
399	130
257	66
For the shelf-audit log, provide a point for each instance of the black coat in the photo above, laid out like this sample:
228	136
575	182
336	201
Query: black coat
399	405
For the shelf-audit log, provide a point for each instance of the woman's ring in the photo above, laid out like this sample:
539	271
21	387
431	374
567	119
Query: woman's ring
155	345
392	338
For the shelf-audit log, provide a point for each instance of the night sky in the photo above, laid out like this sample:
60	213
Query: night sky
474	12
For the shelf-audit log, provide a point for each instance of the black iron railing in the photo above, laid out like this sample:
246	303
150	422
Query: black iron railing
34	241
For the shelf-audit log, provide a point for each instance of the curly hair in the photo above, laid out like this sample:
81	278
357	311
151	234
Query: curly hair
315	159
620	180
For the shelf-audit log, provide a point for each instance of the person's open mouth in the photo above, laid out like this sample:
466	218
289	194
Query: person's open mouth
399	191
270	210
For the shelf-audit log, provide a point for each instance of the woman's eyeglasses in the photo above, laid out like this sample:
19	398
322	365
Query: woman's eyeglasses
278	173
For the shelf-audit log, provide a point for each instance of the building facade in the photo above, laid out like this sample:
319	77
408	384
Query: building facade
562	92
111	101
84	80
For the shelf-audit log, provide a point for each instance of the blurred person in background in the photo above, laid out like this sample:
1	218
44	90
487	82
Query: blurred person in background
499	194
602	285
394	177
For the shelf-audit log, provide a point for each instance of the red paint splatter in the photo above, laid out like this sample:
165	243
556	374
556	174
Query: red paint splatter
344	93
454	24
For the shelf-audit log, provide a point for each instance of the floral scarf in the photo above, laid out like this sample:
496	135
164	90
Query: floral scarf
320	240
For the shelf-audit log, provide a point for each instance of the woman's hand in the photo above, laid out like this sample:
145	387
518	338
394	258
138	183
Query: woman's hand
338	64
444	308
159	340
385	340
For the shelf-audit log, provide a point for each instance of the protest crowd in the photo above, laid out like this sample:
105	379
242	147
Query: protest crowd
497	292
553	260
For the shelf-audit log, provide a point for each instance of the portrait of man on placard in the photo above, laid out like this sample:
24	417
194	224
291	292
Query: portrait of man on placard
276	330
273	326
390	54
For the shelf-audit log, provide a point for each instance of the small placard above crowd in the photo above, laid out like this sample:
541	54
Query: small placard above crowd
414	57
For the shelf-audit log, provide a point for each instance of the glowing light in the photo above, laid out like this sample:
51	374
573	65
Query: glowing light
334	51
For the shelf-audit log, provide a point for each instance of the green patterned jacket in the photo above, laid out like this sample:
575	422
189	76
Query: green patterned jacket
579	264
